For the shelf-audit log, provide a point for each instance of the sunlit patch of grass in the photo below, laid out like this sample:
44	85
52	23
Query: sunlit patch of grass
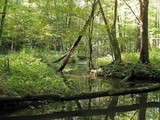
103	61
130	57
24	74
155	59
126	57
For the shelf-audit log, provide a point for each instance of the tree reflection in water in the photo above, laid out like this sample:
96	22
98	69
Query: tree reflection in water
144	106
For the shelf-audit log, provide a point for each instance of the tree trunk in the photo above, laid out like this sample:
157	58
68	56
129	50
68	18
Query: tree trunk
2	20
112	33
66	59
90	45
144	53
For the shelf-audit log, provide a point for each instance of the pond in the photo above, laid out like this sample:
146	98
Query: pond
144	106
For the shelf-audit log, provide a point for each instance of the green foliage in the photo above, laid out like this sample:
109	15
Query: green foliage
134	58
48	57
155	59
103	61
126	57
131	64
74	58
28	75
130	57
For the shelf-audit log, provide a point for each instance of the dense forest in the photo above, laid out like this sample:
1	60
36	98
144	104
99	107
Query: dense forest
46	43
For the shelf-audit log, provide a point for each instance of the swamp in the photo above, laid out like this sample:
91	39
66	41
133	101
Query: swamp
79	60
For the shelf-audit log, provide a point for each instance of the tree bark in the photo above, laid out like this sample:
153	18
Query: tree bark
112	32
144	53
2	20
66	59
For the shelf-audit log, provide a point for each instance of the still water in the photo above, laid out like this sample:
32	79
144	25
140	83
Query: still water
144	106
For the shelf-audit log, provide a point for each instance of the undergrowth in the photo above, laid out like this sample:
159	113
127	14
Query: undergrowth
27	73
154	57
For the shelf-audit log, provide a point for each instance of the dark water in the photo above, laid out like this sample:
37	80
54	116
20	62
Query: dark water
144	106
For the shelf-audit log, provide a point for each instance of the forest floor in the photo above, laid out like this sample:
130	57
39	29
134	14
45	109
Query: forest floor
130	70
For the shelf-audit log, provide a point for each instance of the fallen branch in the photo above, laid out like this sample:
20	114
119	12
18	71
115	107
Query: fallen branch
61	58
83	113
113	93
81	96
128	77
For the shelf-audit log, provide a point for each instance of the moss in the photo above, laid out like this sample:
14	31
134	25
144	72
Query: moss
122	69
116	69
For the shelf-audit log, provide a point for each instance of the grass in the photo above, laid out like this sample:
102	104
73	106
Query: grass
25	73
154	57
103	61
130	57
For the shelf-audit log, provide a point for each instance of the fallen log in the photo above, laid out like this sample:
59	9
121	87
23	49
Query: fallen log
58	98
129	76
61	58
84	113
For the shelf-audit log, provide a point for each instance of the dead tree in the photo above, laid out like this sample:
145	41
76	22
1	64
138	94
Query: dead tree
75	44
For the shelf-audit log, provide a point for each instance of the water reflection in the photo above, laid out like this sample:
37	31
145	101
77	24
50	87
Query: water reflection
129	107
115	113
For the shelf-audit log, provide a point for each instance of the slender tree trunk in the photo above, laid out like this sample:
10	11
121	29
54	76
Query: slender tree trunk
138	41
113	30
90	45
112	33
2	20
120	33
66	59
144	53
